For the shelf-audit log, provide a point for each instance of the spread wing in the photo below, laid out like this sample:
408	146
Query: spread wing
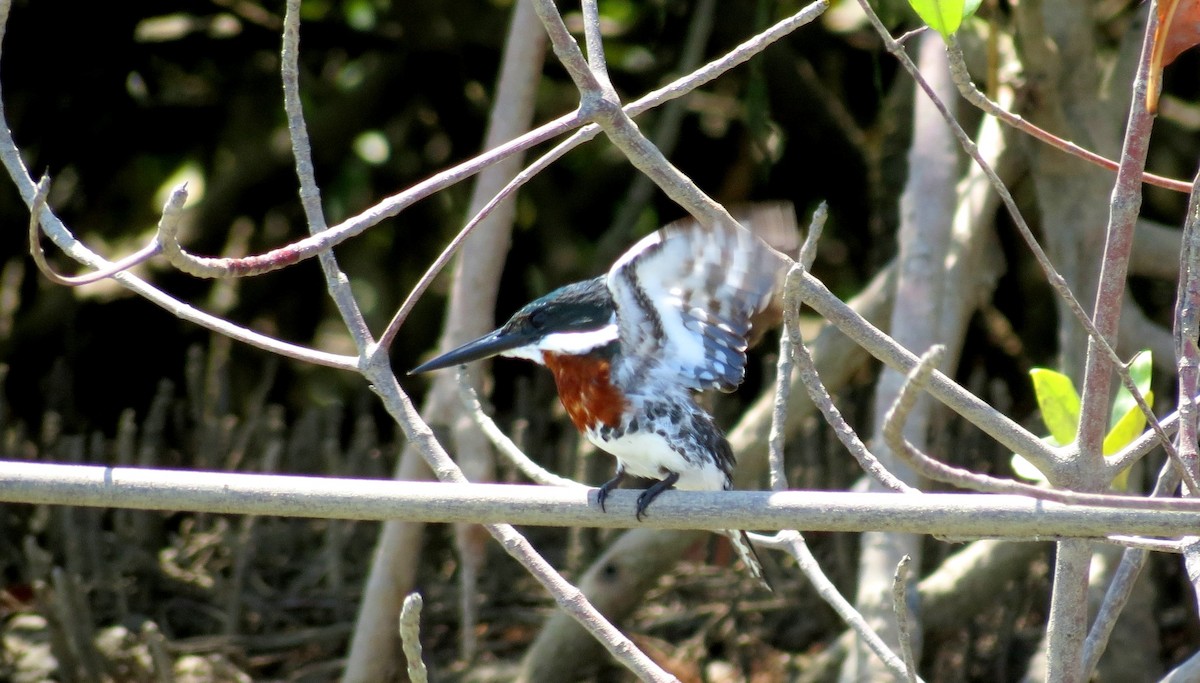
684	296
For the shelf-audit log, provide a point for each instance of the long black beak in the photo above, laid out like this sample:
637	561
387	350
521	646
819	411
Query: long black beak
488	345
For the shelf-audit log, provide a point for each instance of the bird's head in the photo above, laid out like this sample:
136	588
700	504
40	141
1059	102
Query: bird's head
575	319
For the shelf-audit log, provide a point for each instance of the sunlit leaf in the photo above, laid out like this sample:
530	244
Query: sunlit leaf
943	16
970	7
1129	427
1058	401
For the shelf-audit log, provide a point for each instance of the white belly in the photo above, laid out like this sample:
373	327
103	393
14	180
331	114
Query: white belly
646	454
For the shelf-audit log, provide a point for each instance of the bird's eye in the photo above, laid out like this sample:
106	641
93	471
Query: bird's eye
537	319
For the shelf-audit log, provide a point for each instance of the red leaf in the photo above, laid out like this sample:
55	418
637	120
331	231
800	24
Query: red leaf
1178	29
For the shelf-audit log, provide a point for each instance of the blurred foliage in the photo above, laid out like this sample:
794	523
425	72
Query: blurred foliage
394	92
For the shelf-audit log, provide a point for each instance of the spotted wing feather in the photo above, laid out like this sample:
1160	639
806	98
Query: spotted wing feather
684	296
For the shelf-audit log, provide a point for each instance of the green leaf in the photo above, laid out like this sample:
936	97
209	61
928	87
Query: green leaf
1129	427
943	16
1140	369
970	7
1059	402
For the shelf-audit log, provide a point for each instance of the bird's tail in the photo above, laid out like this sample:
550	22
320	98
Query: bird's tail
746	551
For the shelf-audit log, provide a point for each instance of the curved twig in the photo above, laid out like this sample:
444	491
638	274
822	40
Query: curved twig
972	94
918	379
170	214
820	396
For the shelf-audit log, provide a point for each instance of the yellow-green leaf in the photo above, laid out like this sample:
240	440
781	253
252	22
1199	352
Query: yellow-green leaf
1058	401
1129	427
944	16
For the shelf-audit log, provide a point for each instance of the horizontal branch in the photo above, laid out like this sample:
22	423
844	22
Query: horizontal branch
370	499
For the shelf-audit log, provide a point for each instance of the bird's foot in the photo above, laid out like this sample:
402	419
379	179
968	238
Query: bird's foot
651	493
607	487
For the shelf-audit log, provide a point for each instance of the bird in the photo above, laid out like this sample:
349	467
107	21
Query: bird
631	349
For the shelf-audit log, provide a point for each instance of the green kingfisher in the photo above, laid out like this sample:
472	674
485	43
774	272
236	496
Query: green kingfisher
630	349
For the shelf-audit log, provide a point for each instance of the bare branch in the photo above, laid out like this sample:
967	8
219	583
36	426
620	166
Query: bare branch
54	228
1123	580
336	281
783	368
900	604
294	496
928	467
410	637
1123	210
667	93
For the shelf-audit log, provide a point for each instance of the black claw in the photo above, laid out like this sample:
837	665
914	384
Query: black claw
608	486
651	493
642	502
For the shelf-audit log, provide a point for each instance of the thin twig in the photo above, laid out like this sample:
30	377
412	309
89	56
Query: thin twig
900	604
1187	359
667	93
11	157
918	379
1121	587
816	226
793	542
994	423
593	40
820	396
336	281
972	94
510	450
1143	445
599	100
783	368
410	637
1187	324
170	212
